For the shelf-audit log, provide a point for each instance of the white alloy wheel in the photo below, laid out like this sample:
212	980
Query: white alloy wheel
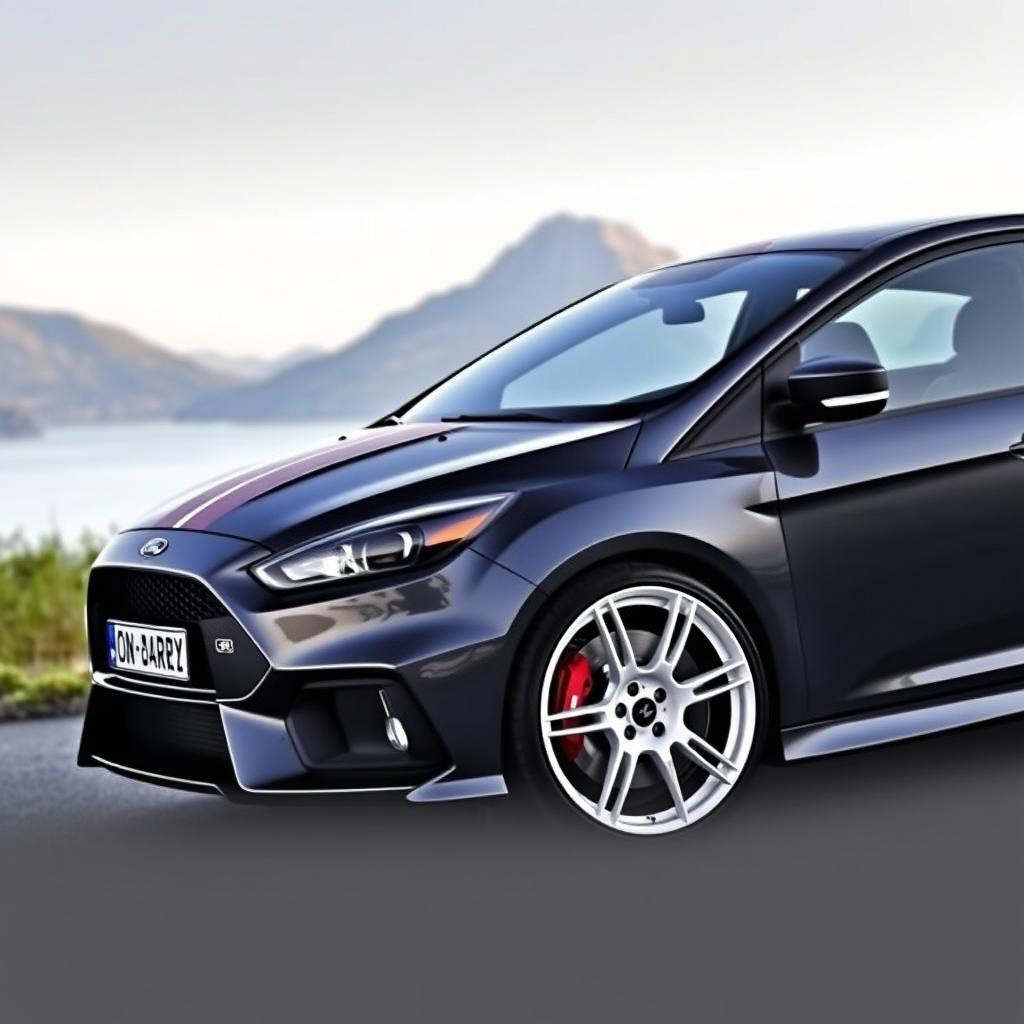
651	732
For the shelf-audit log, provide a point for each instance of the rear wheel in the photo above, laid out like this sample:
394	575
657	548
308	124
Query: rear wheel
640	701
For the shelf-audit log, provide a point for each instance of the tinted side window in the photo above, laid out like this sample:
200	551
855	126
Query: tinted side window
950	329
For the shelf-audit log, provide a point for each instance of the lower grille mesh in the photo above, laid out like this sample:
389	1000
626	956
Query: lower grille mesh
166	737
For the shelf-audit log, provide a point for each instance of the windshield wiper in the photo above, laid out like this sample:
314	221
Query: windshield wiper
498	417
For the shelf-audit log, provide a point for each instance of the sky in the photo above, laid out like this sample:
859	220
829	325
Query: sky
252	176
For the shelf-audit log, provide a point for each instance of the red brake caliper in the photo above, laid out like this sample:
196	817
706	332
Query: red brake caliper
571	690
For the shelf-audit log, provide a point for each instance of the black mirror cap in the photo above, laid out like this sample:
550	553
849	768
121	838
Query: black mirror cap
832	389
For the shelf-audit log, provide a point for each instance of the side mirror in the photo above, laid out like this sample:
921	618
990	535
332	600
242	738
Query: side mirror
831	389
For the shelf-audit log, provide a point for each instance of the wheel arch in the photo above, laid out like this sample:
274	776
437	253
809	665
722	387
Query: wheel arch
708	565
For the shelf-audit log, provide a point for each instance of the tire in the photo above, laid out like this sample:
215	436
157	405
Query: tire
680	707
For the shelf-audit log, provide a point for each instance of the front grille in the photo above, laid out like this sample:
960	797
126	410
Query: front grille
153	598
181	739
159	598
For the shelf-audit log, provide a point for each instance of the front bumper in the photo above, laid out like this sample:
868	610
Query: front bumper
290	693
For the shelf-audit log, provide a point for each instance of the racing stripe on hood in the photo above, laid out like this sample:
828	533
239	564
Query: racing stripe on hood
200	510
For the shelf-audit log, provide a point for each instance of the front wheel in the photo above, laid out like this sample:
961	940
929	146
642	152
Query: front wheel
640	701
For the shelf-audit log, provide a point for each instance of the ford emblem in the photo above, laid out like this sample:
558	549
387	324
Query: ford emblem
154	547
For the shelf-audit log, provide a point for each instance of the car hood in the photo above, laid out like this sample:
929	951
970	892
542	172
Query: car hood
385	468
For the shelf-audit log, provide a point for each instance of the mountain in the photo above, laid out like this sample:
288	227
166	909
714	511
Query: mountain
561	259
15	422
62	368
252	367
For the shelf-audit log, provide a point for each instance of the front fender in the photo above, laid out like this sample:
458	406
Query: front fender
715	514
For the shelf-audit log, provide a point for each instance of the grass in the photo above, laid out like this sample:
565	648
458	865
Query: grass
42	632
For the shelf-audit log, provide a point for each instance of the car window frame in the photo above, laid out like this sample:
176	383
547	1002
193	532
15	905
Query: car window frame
781	361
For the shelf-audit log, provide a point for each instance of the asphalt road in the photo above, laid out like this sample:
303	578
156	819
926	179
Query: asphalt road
883	885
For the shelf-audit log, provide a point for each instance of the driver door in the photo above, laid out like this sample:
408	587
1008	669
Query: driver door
904	530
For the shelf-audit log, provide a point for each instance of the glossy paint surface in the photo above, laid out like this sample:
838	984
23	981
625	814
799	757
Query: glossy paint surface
903	545
875	561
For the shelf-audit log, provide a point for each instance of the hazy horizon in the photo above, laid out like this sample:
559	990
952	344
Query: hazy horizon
300	350
250	177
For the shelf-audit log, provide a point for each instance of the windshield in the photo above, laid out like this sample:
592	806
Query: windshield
630	343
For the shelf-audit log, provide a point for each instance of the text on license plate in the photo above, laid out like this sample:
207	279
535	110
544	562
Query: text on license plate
150	650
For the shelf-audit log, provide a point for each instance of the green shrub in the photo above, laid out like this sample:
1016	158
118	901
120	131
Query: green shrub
42	597
19	702
56	684
12	679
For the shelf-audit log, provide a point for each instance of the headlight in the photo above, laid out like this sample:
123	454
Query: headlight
412	538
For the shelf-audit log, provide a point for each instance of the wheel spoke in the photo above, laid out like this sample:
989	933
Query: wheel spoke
610	775
628	770
717	691
665	640
702	762
629	658
684	635
581	711
708	749
705	677
668	772
615	662
579	730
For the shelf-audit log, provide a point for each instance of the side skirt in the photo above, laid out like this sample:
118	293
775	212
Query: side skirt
871	730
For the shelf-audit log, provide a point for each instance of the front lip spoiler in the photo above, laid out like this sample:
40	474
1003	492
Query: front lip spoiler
146	776
437	789
261	751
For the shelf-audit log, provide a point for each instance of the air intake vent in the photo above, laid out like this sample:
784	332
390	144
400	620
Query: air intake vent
178	739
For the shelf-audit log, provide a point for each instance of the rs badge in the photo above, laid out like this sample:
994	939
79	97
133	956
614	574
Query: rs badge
224	646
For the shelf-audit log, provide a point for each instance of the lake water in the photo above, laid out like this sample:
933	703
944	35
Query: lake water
98	477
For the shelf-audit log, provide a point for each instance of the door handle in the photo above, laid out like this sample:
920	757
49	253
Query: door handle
1017	449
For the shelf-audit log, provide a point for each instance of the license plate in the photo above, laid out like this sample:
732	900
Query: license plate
149	650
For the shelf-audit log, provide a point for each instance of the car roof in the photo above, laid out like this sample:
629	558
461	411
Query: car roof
863	238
